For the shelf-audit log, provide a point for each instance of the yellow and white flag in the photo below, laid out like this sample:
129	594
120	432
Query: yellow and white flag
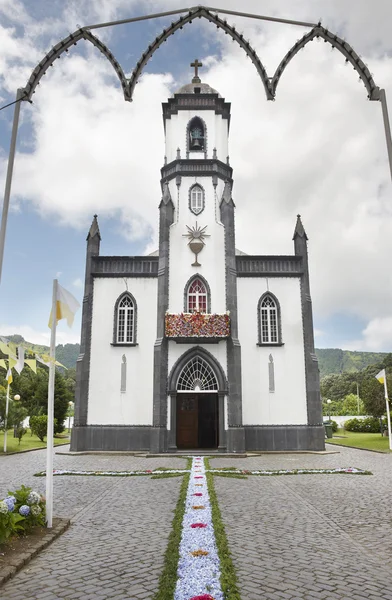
32	363
2	363
66	306
381	376
9	377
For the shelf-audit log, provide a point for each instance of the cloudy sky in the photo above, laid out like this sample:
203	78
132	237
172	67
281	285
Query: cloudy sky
318	150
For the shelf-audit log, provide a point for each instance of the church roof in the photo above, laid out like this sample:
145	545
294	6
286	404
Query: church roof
201	88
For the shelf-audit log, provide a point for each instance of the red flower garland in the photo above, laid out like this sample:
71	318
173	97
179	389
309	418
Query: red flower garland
198	525
197	325
202	597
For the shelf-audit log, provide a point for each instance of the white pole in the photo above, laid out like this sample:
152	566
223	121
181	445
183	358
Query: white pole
49	435
8	181
6	417
387	127
388	413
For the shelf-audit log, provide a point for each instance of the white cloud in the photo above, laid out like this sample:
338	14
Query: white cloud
78	283
319	150
376	337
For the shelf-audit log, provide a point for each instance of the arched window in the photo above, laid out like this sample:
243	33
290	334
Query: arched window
197	296
197	375
196	135
269	320
196	199
125	320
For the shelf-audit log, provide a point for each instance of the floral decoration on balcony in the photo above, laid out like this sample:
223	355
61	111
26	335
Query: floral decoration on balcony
197	324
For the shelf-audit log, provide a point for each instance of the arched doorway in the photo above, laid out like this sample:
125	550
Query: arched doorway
197	388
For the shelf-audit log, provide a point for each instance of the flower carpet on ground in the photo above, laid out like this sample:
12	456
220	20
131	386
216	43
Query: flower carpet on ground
267	472
198	568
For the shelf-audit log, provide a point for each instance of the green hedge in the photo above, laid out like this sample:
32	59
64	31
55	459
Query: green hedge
366	425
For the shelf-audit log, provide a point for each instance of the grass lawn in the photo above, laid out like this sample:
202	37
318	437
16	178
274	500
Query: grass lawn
368	441
29	442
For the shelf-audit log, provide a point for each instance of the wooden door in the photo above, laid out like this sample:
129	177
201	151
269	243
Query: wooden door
187	421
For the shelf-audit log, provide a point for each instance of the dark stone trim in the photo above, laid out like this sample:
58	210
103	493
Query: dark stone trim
204	150
158	442
125	266
196	102
83	361
195	167
280	438
188	284
312	375
186	357
278	316
112	437
271	345
269	266
122	345
235	441
196	184
126	274
121	296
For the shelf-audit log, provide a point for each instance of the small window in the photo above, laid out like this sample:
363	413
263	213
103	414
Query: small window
269	320
197	297
125	320
196	200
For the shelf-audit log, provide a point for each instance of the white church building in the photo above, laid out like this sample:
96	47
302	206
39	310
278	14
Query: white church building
198	346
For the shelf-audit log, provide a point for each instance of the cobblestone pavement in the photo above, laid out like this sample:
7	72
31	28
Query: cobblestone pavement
116	543
299	537
311	536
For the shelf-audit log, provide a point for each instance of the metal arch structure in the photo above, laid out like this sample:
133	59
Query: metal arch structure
26	93
198	13
63	46
336	42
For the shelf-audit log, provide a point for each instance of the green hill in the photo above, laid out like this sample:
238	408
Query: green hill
331	360
334	360
66	354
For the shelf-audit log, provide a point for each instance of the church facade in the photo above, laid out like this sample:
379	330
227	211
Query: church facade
198	346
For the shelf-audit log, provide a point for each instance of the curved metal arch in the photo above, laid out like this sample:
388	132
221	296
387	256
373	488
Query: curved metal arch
343	47
62	47
193	14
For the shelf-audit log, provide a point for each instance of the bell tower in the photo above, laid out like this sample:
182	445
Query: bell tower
196	252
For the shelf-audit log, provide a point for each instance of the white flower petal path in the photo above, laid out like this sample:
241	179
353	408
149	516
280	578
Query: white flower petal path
198	575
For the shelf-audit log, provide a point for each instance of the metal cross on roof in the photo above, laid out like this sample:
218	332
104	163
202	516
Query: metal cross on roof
196	64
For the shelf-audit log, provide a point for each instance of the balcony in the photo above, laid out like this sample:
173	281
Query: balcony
192	327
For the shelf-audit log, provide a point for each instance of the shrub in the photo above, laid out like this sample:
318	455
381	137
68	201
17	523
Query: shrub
334	426
365	425
20	511
39	426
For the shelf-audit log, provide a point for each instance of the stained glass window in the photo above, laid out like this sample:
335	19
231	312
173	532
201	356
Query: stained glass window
197	297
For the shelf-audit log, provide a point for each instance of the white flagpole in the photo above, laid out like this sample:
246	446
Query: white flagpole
49	435
6	416
388	412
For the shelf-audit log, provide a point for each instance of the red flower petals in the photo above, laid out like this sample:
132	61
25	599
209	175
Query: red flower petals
202	597
199	477
198	525
197	494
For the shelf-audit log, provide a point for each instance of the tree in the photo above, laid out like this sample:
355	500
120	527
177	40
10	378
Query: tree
16	413
33	390
350	405
372	394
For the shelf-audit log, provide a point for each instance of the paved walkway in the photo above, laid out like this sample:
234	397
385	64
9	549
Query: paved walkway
299	537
